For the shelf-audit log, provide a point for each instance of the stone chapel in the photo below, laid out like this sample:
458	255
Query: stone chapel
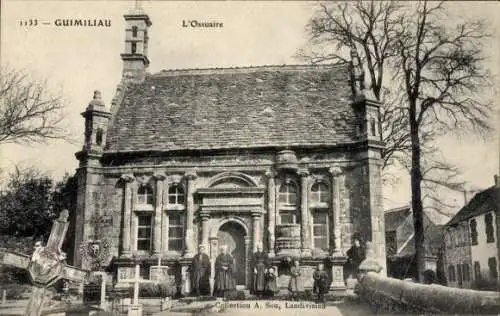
284	156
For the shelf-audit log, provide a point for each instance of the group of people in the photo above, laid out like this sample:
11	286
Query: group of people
264	281
201	270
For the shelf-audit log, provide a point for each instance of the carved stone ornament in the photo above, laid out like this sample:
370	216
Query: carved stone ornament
286	159
335	171
159	176
175	179
96	252
127	177
191	175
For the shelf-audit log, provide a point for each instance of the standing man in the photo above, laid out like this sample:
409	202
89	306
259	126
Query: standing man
200	273
224	282
259	271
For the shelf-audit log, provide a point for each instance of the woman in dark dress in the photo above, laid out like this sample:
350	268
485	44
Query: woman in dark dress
355	255
224	282
200	273
321	283
259	271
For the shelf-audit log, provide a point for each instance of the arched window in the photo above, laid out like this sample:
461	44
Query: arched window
319	193
176	194
134	31
288	203
145	195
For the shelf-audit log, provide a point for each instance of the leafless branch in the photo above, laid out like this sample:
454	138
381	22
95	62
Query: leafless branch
28	112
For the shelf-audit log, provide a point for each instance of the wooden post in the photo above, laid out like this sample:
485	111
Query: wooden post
136	285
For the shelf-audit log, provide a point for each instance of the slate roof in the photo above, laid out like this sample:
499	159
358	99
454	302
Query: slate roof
482	202
395	217
255	107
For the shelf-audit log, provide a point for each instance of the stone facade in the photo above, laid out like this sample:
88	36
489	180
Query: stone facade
299	192
457	260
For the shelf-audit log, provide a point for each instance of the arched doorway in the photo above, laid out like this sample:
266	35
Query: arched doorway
232	234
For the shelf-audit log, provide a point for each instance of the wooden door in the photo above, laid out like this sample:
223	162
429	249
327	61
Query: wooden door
233	235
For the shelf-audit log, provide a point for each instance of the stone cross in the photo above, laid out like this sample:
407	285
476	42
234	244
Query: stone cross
45	266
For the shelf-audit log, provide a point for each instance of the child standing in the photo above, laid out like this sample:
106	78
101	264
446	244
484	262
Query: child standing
295	285
271	287
321	283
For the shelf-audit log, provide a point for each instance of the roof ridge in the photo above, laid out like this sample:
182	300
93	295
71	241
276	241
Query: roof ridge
178	71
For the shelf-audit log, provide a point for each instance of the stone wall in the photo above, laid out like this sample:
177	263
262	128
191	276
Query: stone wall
384	293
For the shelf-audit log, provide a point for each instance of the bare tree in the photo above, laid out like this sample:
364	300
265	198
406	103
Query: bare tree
28	112
437	76
442	72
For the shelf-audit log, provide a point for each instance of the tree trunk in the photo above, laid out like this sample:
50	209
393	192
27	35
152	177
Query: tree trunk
416	198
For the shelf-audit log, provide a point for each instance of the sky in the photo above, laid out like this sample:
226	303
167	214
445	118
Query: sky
78	60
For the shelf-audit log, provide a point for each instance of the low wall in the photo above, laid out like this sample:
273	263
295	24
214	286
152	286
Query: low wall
384	293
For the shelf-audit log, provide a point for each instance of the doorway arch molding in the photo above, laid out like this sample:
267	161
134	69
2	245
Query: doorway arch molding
215	228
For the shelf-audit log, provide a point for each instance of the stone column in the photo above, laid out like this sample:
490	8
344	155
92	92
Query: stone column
271	212
204	228
256	229
190	176
304	223
127	213
336	174
158	214
248	268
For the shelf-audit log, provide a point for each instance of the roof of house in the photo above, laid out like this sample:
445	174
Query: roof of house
395	217
254	107
482	202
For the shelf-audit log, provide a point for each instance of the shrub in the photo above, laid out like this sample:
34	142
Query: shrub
154	290
237	295
15	291
486	285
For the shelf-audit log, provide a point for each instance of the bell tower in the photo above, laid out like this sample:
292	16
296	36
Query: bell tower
135	57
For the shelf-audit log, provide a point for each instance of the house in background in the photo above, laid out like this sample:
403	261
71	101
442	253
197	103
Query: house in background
400	242
472	242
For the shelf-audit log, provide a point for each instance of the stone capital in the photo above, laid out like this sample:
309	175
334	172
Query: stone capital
256	214
175	179
128	177
335	171
270	173
159	176
191	175
204	216
303	172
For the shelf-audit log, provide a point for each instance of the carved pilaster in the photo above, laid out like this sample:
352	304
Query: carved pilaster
204	227
305	218
257	239
127	214
157	229
190	176
271	211
336	174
